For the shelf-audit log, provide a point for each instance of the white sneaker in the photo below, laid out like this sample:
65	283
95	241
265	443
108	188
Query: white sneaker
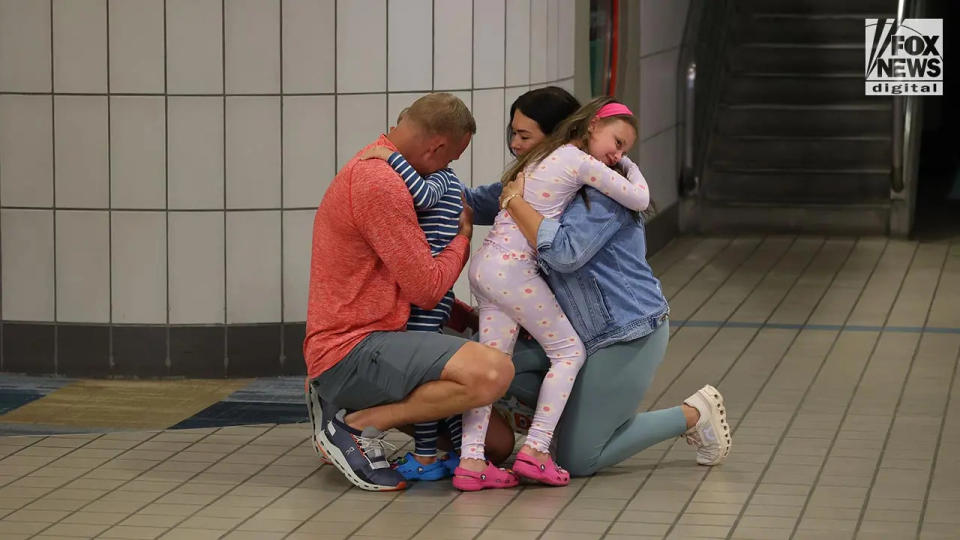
711	434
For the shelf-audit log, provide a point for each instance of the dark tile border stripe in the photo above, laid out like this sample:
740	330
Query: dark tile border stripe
214	351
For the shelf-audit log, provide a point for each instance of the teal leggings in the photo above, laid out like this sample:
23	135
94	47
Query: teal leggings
600	425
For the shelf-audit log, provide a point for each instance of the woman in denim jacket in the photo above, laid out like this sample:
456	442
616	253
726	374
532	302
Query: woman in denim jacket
594	259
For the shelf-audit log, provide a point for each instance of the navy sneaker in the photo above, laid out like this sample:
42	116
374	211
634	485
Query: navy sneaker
359	455
411	469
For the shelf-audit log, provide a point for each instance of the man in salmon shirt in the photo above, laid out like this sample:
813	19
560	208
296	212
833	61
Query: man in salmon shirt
371	261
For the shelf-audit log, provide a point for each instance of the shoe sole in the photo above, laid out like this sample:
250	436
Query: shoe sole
336	457
715	399
316	448
313	425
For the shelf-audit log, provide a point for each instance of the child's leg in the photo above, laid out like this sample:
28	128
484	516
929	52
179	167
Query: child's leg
534	305
453	425
500	332
428	320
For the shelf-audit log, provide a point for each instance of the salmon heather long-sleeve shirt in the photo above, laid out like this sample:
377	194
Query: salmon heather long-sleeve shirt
370	261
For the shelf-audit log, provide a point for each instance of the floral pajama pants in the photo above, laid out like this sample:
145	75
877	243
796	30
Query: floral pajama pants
511	292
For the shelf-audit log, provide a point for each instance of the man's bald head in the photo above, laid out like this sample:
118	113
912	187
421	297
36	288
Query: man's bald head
433	131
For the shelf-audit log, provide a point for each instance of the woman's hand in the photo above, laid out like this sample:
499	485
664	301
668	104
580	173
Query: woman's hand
513	189
376	152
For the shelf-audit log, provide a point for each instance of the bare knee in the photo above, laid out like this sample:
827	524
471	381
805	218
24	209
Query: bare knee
495	375
490	375
485	372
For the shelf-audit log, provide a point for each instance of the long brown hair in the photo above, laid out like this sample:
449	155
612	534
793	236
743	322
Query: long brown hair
573	130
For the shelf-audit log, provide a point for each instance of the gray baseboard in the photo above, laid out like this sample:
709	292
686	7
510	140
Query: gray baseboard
665	226
150	351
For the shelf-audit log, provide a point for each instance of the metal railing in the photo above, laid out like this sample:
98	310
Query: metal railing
907	119
701	69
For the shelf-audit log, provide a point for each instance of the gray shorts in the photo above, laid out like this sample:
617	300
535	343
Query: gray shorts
385	367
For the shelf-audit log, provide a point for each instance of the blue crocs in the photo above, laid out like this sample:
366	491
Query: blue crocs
451	461
411	469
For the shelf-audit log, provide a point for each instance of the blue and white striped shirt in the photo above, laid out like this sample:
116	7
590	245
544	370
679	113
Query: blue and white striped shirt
437	200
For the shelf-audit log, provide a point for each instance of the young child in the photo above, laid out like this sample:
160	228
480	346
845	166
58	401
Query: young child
437	200
504	277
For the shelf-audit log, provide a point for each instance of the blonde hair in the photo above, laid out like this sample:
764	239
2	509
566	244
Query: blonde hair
441	114
575	130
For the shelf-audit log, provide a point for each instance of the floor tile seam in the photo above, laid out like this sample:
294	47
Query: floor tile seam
903	385
677	261
746	257
753	337
693	358
733	272
72	450
903	388
746	347
494	517
258	471
937	451
657	399
813	379
853	395
706	263
359	526
570	501
693	323
141	473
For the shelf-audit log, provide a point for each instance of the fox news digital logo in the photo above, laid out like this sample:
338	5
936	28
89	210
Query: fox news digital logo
904	59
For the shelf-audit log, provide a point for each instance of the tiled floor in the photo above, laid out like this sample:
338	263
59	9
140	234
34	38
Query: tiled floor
837	357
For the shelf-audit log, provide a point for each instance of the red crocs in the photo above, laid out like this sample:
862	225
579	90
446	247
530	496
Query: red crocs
548	472
491	478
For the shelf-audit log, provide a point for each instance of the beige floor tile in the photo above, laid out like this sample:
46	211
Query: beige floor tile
754	533
652	529
206	522
183	533
95	518
75	529
507	534
557	535
46	516
21	527
150	520
133	533
253	535
270	525
443	533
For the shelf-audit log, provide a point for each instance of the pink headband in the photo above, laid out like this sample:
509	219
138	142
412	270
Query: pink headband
613	109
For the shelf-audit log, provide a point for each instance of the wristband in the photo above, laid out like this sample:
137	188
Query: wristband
505	202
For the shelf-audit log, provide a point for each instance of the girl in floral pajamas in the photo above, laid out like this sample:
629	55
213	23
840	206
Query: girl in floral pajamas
505	278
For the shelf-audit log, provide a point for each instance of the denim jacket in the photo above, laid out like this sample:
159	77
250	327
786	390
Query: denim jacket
595	260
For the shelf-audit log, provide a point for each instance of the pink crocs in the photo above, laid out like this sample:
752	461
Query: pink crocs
548	472
491	478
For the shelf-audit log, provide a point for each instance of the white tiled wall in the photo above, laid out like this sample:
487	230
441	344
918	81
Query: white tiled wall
661	25
161	160
136	46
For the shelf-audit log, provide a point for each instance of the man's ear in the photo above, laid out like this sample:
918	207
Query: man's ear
436	145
